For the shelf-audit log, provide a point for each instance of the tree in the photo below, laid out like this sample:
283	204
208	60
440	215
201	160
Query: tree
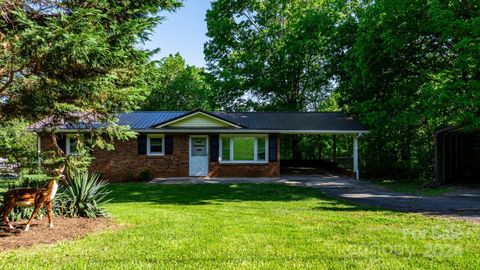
72	60
59	57
268	55
17	144
406	69
177	86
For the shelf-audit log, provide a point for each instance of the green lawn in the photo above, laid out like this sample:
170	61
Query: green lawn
412	186
255	227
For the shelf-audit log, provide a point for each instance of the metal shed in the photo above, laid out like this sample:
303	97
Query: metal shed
457	155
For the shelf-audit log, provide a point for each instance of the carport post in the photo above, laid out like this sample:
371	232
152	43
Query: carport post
355	157
39	150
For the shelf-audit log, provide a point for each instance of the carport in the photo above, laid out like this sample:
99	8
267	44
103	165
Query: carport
457	155
327	126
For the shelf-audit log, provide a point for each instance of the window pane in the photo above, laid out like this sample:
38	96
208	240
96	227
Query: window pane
225	149
261	149
155	148
156	145
155	141
243	148
199	147
73	146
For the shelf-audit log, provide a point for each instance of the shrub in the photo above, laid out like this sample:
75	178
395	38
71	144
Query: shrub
17	144
130	177
34	180
146	175
19	213
82	196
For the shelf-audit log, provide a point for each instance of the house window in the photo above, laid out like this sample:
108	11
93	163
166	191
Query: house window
71	145
261	150
225	153
155	145
243	149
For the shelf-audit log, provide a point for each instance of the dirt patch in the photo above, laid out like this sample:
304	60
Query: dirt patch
40	233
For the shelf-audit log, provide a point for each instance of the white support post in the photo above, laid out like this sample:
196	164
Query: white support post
355	157
39	150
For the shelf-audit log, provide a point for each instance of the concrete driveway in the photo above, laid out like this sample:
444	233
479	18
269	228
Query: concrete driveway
462	203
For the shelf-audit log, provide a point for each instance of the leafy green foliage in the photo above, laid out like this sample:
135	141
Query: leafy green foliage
174	85
82	195
268	55
34	180
73	56
75	60
22	213
410	69
17	144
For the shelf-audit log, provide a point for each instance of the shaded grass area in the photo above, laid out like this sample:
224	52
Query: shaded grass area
256	226
418	186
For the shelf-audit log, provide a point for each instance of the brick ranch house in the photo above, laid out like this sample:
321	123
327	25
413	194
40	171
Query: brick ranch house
199	143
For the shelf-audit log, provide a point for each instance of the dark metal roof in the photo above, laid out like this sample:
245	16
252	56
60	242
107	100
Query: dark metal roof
294	120
145	120
275	121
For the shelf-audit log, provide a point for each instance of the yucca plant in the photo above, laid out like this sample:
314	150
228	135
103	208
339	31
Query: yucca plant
83	196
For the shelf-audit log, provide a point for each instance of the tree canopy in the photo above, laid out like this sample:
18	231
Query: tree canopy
411	67
60	57
173	85
268	55
75	60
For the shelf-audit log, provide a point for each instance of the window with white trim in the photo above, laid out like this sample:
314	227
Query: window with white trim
155	145
243	148
71	147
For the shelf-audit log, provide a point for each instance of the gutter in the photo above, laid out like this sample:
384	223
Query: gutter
207	131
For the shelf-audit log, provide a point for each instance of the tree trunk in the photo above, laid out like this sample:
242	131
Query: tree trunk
334	148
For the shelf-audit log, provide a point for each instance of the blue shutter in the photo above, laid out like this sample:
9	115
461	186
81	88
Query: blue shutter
214	147
168	144
272	147
142	144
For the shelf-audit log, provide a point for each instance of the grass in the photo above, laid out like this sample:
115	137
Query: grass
412	186
252	226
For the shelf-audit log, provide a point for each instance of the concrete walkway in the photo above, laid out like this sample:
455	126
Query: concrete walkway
461	203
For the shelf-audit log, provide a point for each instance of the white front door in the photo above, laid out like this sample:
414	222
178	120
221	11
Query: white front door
198	165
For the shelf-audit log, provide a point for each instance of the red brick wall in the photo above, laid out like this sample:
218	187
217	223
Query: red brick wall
125	164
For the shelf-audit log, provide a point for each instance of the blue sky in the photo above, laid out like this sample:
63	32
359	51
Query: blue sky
183	31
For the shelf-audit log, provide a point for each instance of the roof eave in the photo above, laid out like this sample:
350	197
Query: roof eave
246	131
